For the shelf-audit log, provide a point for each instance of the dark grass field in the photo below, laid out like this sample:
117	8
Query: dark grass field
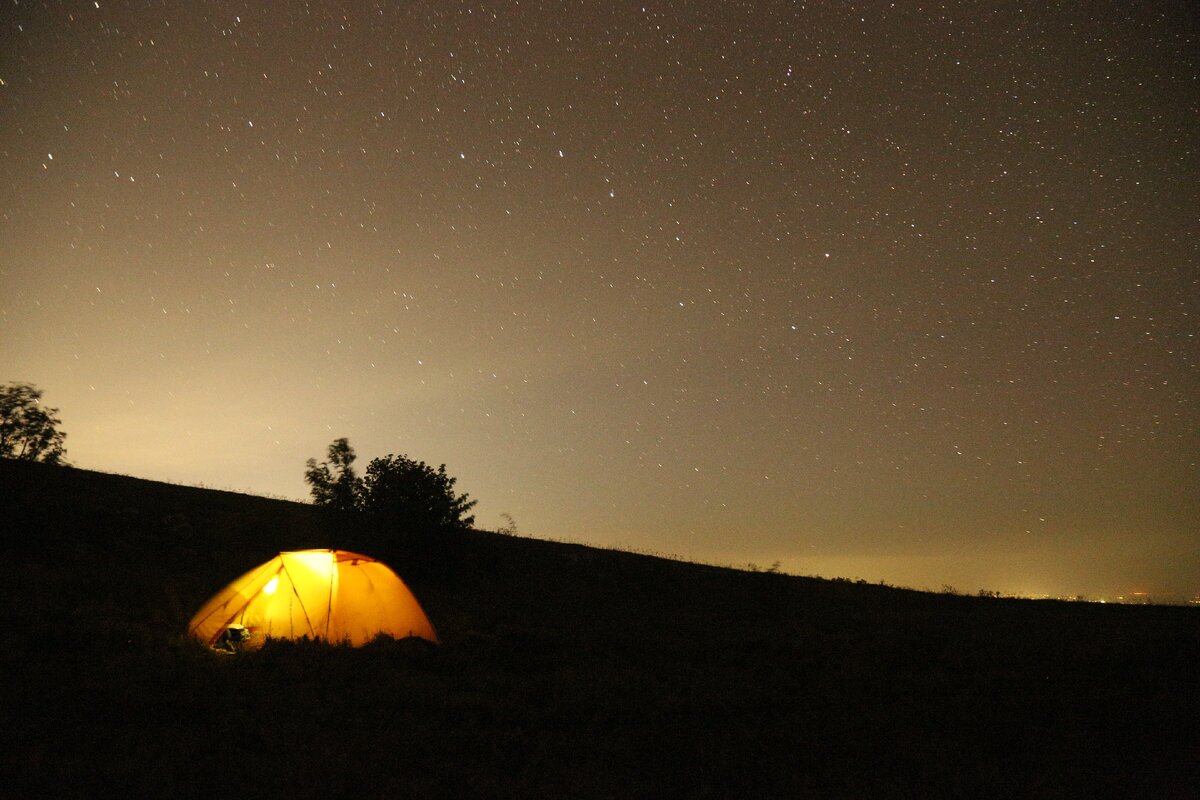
565	671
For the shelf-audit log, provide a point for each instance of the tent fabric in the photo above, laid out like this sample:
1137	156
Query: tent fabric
333	595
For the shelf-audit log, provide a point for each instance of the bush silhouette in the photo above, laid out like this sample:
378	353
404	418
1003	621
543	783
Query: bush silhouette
413	494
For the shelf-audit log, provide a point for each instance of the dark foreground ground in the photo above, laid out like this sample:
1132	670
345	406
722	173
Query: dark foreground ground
564	672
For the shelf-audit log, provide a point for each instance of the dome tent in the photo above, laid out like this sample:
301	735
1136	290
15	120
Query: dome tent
322	594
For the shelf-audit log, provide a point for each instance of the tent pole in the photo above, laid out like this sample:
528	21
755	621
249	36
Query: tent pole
332	575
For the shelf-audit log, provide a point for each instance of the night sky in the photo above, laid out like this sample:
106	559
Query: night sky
893	291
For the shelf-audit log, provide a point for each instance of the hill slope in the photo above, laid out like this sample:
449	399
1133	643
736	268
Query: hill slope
565	671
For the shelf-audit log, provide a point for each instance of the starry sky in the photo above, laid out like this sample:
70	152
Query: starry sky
894	291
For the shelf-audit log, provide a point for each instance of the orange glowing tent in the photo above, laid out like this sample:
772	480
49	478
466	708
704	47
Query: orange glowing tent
322	594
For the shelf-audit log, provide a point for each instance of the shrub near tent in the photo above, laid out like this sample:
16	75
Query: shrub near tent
322	594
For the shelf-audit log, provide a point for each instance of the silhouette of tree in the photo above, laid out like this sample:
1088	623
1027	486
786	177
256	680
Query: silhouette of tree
412	494
396	490
334	482
28	430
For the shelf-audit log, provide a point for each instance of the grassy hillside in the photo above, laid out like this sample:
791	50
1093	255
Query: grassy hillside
565	671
